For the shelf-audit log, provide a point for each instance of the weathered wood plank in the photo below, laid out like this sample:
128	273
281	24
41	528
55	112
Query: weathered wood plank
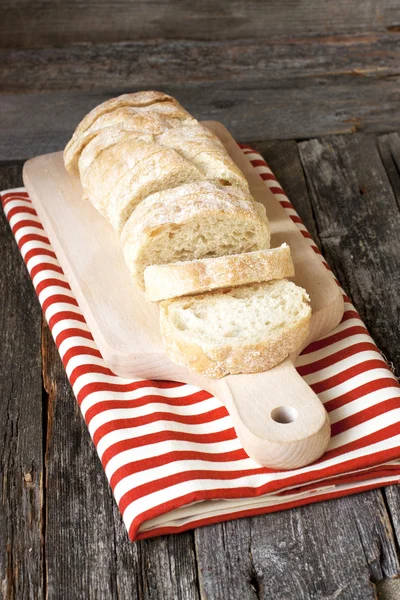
250	111
165	567
389	148
148	64
358	221
262	90
21	456
329	550
391	15
392	494
47	23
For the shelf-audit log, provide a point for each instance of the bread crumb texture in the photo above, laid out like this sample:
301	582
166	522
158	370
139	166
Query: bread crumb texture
246	329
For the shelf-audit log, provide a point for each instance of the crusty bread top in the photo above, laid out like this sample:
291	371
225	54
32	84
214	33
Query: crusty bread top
106	129
135	112
198	276
138	99
202	147
246	329
104	139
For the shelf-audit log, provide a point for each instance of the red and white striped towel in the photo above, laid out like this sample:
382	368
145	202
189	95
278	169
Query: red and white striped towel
169	450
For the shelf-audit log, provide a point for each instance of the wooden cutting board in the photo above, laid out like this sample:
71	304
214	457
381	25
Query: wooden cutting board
279	420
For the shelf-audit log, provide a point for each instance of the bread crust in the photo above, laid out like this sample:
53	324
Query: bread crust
159	119
227	358
197	276
201	147
139	101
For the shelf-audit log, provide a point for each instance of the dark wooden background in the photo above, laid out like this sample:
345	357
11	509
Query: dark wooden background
309	83
270	69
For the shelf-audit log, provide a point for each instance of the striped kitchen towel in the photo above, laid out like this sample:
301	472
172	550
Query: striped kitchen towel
169	449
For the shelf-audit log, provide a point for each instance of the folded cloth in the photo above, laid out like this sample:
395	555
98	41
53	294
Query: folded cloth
169	449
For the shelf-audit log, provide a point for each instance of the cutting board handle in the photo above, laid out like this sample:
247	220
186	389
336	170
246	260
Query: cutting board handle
278	418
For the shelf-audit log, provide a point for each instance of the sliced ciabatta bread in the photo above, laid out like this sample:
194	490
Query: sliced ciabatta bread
205	274
247	329
195	220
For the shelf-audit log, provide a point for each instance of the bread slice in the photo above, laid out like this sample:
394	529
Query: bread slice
149	112
206	274
247	329
196	220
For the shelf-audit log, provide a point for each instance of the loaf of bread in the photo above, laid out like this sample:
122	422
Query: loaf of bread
184	278
192	221
247	329
187	224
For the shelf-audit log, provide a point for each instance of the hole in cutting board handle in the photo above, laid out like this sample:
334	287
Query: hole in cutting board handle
284	414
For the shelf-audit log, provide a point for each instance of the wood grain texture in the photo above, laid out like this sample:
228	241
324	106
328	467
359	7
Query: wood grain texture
21	456
389	148
148	64
392	495
358	222
330	550
168	568
42	23
293	88
391	15
250	110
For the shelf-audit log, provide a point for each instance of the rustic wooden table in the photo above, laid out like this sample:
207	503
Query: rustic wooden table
61	536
